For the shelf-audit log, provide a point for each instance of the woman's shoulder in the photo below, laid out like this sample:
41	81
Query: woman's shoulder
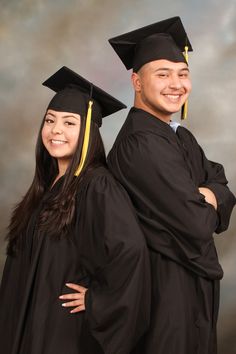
100	181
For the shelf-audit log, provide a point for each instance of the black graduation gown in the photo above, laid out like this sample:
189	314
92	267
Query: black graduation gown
162	170
107	253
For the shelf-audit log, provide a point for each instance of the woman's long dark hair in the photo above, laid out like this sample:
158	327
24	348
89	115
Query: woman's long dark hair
57	215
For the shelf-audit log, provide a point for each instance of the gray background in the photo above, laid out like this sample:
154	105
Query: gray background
38	37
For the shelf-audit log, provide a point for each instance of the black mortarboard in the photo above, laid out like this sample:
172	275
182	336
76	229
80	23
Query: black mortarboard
73	94
166	39
77	95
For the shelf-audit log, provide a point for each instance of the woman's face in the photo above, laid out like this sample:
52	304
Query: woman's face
60	135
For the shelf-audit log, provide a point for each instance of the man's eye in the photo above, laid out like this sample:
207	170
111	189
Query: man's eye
183	75
162	75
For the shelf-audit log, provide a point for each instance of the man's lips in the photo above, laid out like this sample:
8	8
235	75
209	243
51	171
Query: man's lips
173	97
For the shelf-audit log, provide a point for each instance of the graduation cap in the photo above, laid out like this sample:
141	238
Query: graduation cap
75	94
166	39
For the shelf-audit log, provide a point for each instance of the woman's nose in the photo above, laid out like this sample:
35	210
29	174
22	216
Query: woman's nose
57	128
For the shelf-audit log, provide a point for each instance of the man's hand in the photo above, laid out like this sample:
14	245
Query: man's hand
209	196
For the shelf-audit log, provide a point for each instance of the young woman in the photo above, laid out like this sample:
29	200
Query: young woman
76	279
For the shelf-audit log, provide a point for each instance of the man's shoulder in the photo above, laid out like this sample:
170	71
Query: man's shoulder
185	132
140	124
130	127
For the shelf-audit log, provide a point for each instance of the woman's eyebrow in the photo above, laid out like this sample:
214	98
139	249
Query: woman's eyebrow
65	116
70	116
51	114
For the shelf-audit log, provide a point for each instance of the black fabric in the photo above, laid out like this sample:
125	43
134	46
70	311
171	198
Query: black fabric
156	47
72	100
161	40
106	253
162	171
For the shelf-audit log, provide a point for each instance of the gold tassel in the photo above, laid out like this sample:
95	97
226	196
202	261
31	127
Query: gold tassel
186	53
86	140
184	110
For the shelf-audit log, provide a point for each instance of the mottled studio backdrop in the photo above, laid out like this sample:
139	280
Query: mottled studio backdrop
37	37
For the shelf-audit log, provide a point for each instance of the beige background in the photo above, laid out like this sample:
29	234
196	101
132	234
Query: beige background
37	37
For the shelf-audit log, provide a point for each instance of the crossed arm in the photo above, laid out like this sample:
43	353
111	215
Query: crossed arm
209	196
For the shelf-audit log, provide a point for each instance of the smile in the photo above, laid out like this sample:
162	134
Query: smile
173	97
58	142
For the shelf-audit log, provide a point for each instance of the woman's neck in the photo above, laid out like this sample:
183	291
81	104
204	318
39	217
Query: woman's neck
62	167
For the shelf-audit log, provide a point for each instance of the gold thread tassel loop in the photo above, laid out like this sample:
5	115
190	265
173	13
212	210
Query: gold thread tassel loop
184	110
86	140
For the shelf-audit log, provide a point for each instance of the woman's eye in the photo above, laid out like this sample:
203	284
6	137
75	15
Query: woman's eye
69	123
48	120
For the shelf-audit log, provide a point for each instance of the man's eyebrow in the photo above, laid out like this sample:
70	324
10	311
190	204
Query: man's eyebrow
184	69
160	69
170	69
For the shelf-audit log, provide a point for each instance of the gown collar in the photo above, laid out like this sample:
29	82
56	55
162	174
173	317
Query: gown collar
147	121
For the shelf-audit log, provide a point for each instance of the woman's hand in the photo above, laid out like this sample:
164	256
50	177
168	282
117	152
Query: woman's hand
209	196
77	298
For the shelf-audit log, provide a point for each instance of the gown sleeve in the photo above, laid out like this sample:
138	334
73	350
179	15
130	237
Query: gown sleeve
153	170
216	181
114	253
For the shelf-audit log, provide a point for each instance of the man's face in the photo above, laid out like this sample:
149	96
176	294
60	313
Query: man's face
162	87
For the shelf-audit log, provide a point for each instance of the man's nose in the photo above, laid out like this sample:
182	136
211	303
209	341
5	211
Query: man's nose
175	82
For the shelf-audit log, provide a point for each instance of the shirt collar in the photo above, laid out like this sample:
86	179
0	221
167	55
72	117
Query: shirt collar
174	125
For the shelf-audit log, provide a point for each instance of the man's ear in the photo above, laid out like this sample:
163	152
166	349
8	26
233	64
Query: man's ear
135	78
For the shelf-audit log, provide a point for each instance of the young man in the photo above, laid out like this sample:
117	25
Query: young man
180	196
